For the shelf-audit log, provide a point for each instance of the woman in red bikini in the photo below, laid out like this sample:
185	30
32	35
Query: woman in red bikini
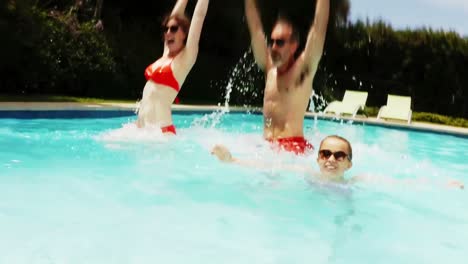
166	76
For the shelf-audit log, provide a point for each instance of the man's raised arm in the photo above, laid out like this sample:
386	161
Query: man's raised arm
316	37
259	46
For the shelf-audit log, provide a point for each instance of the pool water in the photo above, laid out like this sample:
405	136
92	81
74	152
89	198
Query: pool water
98	190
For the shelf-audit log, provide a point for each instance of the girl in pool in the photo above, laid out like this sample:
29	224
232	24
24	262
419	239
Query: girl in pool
166	76
334	158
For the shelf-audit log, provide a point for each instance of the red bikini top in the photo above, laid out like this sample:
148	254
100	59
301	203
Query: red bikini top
162	74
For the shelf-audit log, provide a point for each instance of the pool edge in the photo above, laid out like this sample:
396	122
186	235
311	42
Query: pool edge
73	106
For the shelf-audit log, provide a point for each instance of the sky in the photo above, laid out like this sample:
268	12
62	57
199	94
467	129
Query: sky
401	14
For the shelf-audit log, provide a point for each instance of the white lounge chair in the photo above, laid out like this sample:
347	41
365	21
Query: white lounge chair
351	103
398	107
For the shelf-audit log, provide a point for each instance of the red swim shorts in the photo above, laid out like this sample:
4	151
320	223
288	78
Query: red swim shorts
298	145
169	129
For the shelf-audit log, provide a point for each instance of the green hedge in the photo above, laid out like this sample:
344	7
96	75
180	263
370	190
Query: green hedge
54	53
429	66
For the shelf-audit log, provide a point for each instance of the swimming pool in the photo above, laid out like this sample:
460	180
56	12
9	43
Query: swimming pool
98	190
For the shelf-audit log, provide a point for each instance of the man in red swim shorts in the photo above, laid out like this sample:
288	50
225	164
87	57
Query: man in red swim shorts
289	77
298	145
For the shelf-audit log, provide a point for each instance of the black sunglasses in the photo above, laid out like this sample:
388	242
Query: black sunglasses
325	154
172	29
278	42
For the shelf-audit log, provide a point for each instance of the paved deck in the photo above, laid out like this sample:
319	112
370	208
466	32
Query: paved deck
131	106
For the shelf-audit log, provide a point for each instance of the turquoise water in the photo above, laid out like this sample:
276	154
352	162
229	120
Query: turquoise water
98	190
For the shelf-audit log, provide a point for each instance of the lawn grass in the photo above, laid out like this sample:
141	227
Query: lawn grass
72	99
440	119
58	98
426	117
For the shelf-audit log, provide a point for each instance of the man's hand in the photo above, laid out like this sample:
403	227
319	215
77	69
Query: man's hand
222	153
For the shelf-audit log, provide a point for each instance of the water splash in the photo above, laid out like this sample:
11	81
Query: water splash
210	120
312	104
131	133
242	80
317	103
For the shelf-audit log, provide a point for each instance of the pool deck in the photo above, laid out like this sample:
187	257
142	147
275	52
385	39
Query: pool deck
421	126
